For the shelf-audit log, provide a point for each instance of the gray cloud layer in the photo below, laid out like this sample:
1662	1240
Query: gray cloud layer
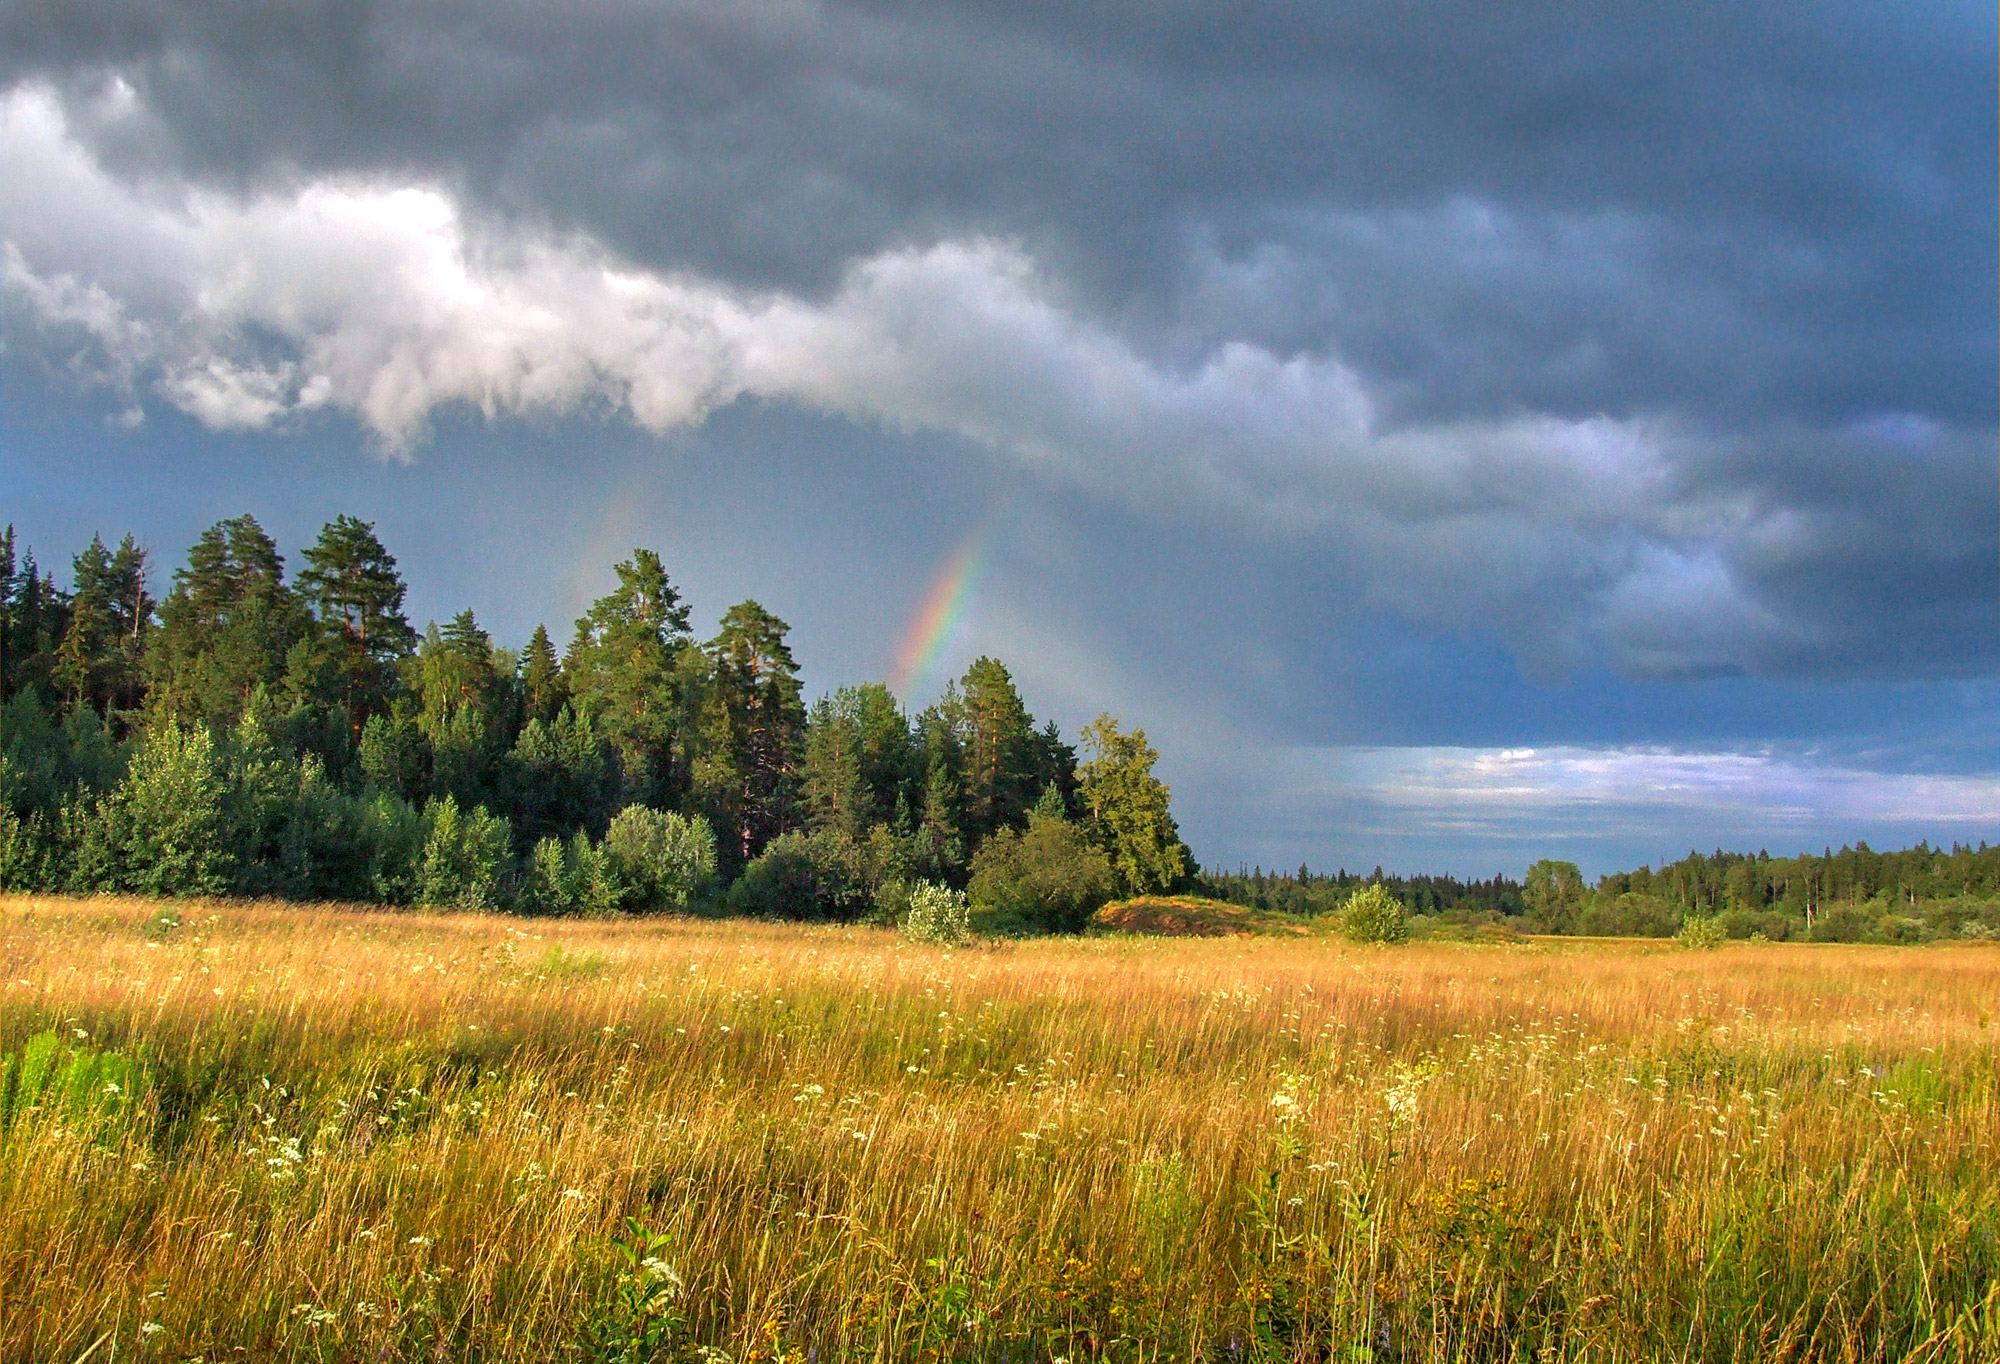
1660	338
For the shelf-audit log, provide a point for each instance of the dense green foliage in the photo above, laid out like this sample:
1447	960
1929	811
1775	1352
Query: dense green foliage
254	735
247	734
1048	878
1372	914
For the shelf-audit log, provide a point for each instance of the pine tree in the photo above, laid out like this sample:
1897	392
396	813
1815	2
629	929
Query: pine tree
999	738
225	628
131	611
357	598
755	722
623	674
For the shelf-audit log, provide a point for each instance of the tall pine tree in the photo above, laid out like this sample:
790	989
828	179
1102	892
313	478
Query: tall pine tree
225	627
753	726
357	596
1000	750
623	674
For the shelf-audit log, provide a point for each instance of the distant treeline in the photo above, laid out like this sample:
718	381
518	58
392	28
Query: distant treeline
1721	881
1852	895
1308	892
254	733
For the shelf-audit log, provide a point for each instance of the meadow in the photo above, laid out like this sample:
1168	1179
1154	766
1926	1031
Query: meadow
236	1131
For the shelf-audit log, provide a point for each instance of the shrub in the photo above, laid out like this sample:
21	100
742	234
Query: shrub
1630	915
1772	925
32	852
938	914
317	850
572	877
465	856
1372	914
1049	879
1843	923
162	829
390	834
665	860
543	882
804	876
1700	933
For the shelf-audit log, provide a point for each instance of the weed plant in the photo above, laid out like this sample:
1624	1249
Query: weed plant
339	1135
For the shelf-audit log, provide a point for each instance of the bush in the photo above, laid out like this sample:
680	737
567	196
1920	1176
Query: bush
1772	925
664	860
572	877
820	875
390	834
1700	933
465	856
1050	879
1843	923
1630	915
1372	914
33	854
162	831
938	914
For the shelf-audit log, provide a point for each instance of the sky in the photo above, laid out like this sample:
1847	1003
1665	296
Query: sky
1457	434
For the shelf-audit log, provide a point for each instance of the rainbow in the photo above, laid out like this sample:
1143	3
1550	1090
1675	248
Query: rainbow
939	616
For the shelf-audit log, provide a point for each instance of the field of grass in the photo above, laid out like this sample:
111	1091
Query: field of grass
234	1132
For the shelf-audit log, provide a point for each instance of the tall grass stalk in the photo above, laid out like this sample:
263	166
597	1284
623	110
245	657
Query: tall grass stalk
348	1135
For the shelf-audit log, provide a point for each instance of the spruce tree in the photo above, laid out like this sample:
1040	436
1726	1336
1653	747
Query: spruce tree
36	619
97	664
830	771
543	687
80	662
859	759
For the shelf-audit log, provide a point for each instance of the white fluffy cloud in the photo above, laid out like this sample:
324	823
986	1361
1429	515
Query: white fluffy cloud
384	301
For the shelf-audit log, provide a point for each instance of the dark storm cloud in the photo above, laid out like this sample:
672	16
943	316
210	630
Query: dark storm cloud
1725	209
1647	335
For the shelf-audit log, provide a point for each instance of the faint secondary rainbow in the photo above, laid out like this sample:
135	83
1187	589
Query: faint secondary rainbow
940	614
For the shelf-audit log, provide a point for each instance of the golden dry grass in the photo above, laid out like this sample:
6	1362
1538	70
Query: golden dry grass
352	1135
